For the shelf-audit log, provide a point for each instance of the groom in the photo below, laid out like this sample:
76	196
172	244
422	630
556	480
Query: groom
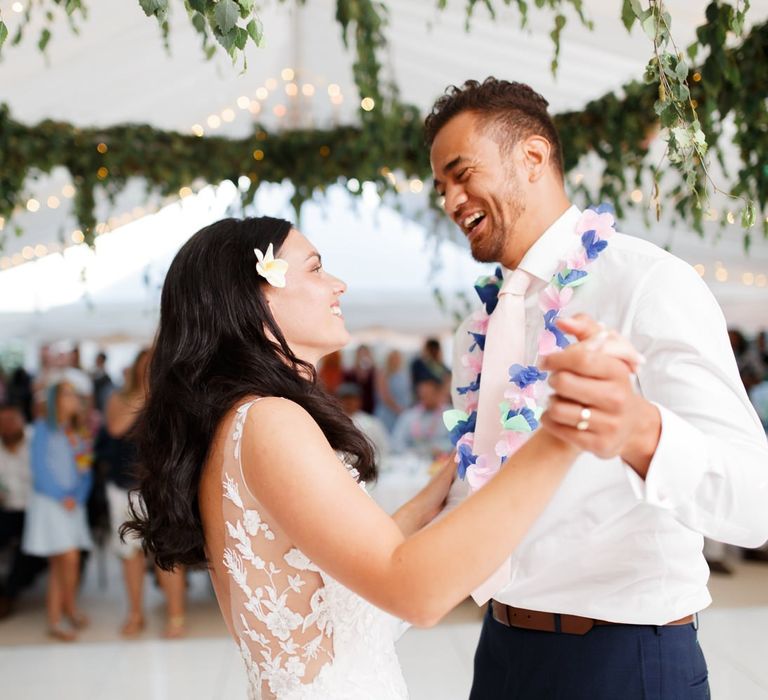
599	602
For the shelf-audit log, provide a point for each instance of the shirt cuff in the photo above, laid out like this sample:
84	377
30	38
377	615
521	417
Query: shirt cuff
675	464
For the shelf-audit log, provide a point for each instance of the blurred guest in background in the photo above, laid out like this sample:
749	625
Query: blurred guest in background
363	373
15	487
330	372
420	429
351	398
117	449
56	525
761	352
750	366
751	371
429	365
758	395
393	390
18	392
102	383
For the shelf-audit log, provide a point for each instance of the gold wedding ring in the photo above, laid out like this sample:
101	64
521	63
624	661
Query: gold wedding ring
585	415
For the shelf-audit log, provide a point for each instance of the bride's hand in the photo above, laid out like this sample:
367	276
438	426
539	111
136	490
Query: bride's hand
435	493
427	503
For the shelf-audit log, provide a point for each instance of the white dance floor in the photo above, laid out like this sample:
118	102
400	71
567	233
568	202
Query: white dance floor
206	666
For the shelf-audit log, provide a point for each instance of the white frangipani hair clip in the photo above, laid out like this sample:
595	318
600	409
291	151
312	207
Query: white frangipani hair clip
271	268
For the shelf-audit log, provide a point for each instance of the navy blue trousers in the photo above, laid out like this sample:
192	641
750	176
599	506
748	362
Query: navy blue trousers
610	662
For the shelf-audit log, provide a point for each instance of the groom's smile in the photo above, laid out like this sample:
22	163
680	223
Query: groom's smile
474	175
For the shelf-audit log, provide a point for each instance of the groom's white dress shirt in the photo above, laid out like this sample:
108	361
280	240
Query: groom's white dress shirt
610	545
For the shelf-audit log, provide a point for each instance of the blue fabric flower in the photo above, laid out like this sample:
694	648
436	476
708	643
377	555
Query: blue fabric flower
479	341
525	376
472	386
603	208
526	413
487	288
549	323
571	277
463	426
466	460
593	245
489	295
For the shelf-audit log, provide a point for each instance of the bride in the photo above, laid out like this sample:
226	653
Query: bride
251	469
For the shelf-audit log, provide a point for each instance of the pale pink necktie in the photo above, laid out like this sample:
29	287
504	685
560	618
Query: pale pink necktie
504	346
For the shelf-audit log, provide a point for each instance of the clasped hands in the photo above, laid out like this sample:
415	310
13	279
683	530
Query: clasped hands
595	407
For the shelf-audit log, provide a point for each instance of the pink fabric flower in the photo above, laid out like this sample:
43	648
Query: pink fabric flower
473	362
467	439
481	472
602	224
578	260
510	442
479	322
547	343
517	396
552	299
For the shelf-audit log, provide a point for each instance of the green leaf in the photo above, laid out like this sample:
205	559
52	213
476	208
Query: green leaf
255	31
681	70
246	6
198	6
153	7
649	27
241	38
198	22
452	417
518	424
71	6
637	8
226	40
226	13
749	215
628	15
45	37
3	32
681	92
682	137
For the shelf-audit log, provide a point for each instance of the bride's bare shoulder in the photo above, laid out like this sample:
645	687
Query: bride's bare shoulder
273	422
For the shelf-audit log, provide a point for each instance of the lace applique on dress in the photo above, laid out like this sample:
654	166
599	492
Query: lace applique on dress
302	635
281	666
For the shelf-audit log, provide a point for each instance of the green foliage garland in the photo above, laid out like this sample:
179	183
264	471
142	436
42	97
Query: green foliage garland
615	127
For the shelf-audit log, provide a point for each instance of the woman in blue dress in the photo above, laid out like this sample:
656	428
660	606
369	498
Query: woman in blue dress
56	526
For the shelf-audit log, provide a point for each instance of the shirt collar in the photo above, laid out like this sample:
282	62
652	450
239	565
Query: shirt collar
545	254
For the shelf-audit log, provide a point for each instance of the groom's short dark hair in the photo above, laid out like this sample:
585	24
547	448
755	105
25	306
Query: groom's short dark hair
514	108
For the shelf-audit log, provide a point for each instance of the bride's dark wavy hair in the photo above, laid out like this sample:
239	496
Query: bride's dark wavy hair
212	350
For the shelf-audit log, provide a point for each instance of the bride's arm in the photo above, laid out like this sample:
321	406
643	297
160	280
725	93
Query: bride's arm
299	481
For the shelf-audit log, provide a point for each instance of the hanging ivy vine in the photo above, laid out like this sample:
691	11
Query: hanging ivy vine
730	83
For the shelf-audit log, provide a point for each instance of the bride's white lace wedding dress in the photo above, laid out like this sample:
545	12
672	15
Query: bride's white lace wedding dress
302	635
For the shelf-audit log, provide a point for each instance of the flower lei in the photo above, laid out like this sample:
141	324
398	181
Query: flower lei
520	412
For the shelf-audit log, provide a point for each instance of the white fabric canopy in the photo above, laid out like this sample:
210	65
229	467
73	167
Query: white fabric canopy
116	71
389	262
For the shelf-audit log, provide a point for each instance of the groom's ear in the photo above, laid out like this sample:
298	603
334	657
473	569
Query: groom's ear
536	152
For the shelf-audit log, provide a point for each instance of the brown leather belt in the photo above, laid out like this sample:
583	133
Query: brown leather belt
556	622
